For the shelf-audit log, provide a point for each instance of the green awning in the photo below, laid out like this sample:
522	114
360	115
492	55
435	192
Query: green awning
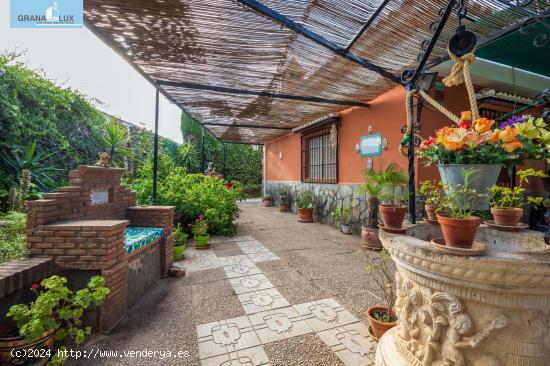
517	49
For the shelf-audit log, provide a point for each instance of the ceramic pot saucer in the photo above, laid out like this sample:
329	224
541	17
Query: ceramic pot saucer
431	222
519	226
476	249
403	230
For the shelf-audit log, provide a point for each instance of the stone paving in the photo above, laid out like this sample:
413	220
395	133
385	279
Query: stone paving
278	293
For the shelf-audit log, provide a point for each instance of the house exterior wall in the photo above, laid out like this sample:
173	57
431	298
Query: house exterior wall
386	114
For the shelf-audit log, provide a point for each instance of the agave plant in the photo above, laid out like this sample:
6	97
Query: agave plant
36	162
187	156
115	140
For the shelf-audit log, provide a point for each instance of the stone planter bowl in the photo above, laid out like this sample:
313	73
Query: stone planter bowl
500	299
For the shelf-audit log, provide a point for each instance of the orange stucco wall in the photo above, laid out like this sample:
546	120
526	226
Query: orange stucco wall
386	114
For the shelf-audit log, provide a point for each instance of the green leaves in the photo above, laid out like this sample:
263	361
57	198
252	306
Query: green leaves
58	308
115	140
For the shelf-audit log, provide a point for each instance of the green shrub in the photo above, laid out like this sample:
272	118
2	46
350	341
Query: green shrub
252	190
12	237
305	199
196	194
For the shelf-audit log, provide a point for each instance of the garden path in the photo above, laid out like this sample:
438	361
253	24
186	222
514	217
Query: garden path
278	293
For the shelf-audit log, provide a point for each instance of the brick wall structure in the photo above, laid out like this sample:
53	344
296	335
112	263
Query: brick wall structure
82	227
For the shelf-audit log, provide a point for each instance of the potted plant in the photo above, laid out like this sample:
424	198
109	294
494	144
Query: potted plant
283	200
433	193
458	225
373	185
478	145
393	191
382	317
342	217
180	243
506	202
200	232
304	201
267	200
55	315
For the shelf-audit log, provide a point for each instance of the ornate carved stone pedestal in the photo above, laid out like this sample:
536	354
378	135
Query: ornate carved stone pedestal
492	310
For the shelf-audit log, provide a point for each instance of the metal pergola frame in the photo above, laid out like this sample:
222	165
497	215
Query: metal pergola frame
408	79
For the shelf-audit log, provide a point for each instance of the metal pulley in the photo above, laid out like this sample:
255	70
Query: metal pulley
464	41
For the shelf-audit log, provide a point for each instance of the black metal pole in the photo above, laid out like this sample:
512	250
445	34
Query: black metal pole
156	148
203	167
412	188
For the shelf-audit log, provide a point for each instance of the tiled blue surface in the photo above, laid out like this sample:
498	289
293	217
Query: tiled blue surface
137	237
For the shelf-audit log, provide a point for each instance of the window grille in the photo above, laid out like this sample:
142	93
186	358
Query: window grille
319	157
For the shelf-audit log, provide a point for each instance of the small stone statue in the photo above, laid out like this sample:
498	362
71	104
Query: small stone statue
209	168
103	160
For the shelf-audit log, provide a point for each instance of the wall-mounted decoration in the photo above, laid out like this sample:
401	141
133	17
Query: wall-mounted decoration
281	155
385	143
371	145
370	163
369	130
99	196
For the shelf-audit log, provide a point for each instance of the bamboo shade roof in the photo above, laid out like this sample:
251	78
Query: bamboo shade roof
185	45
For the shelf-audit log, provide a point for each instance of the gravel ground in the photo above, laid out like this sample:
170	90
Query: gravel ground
316	262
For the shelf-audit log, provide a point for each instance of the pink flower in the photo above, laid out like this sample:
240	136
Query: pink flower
35	286
424	145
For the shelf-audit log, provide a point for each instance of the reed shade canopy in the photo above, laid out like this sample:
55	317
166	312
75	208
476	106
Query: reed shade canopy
201	54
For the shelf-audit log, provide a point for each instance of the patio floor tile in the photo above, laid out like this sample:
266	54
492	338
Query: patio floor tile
240	269
278	324
218	338
252	283
325	314
352	344
254	356
257	301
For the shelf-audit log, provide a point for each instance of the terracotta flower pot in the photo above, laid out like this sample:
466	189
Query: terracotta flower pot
430	212
459	232
305	214
371	238
507	216
283	207
393	216
378	327
11	347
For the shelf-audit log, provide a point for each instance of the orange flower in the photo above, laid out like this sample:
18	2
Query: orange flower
483	124
466	115
455	139
452	146
472	139
508	135
512	145
441	134
492	137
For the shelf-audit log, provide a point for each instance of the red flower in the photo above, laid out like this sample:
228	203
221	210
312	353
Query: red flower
465	124
35	286
426	143
229	184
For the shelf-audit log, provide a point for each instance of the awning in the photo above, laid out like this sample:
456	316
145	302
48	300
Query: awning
253	75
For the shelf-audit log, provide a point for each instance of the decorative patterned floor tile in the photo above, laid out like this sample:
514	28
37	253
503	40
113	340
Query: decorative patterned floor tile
263	257
252	283
263	300
243	238
325	314
254	356
227	261
351	343
221	239
240	269
221	337
199	260
252	249
278	324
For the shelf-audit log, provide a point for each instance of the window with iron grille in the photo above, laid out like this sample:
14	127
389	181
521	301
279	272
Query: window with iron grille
319	157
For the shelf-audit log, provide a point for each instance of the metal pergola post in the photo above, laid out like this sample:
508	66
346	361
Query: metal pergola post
156	149
412	186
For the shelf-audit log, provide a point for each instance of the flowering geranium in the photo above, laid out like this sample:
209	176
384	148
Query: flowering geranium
478	142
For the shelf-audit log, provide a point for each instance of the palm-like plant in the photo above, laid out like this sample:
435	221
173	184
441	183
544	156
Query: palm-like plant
187	156
376	184
35	162
115	140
